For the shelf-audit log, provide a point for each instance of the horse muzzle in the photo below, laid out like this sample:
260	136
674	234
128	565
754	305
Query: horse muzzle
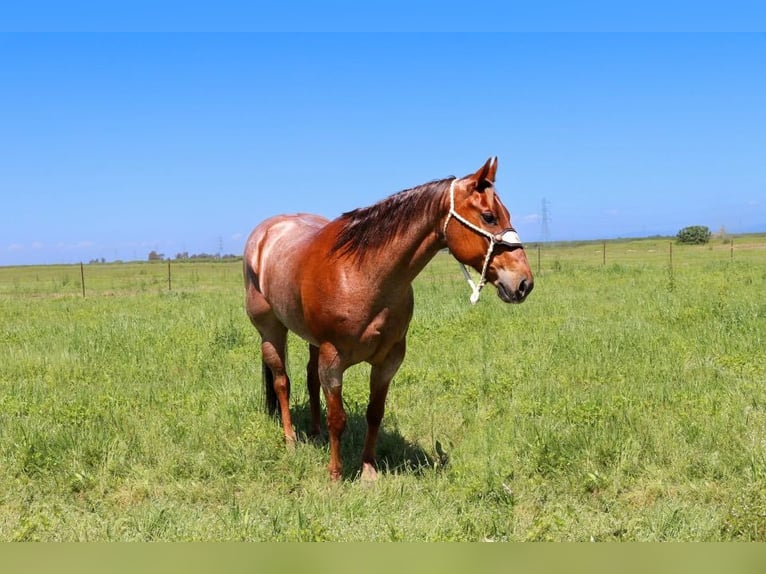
514	291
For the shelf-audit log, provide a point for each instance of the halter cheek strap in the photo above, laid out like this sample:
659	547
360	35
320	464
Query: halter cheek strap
507	237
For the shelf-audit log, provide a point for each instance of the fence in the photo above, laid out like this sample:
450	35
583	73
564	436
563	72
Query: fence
122	279
646	252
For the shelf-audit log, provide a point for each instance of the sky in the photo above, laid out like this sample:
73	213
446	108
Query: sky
117	143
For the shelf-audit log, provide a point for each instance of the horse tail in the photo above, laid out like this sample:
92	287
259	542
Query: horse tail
270	395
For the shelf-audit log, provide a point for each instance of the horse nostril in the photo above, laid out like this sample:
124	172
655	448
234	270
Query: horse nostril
525	287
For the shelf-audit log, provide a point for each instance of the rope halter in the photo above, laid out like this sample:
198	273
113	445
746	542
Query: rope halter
507	237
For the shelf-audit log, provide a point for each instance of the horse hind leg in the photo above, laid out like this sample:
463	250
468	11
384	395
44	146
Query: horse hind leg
277	385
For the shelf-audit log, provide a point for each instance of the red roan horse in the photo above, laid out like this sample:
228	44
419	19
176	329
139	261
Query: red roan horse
345	286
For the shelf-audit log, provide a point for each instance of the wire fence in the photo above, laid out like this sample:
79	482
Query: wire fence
120	279
130	278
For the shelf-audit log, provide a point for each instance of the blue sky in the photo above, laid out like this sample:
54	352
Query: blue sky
116	144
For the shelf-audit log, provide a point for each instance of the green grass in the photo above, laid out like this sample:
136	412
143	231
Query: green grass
622	401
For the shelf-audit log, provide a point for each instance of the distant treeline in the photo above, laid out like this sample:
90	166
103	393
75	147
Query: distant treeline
155	256
185	256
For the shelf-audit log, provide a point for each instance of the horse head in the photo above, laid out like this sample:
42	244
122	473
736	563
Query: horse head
479	233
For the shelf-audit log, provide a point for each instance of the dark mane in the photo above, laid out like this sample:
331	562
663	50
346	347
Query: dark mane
376	225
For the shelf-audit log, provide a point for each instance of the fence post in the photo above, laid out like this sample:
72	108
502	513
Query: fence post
82	278
732	249
671	257
603	260
169	283
671	278
538	259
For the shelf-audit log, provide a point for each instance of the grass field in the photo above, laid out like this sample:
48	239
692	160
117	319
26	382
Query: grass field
625	400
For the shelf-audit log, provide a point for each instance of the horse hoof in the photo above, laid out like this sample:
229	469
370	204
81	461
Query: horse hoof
369	474
335	476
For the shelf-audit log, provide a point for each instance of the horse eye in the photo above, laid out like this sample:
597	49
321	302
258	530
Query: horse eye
489	218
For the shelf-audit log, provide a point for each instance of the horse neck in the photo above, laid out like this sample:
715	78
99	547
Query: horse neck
405	257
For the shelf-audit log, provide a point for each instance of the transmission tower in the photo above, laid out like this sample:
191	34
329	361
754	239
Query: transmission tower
545	219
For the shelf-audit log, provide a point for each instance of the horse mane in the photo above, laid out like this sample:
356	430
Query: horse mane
377	225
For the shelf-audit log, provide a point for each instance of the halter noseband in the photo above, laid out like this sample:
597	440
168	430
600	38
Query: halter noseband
507	237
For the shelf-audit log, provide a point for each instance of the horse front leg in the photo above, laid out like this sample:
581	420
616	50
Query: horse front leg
330	367
380	379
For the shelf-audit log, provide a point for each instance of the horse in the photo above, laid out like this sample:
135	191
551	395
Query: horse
345	287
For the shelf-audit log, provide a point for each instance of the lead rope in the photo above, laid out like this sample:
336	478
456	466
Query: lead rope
475	288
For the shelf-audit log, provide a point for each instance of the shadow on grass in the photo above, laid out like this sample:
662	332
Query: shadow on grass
395	454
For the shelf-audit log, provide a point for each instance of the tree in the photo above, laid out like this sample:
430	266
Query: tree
694	235
154	256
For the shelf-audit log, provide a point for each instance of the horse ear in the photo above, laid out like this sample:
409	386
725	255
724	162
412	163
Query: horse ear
486	173
492	169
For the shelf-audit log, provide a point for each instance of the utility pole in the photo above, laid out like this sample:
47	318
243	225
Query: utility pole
545	218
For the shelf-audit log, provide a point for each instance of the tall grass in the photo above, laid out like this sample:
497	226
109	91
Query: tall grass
622	401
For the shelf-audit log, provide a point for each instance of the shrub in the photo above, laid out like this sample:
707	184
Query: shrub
694	234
